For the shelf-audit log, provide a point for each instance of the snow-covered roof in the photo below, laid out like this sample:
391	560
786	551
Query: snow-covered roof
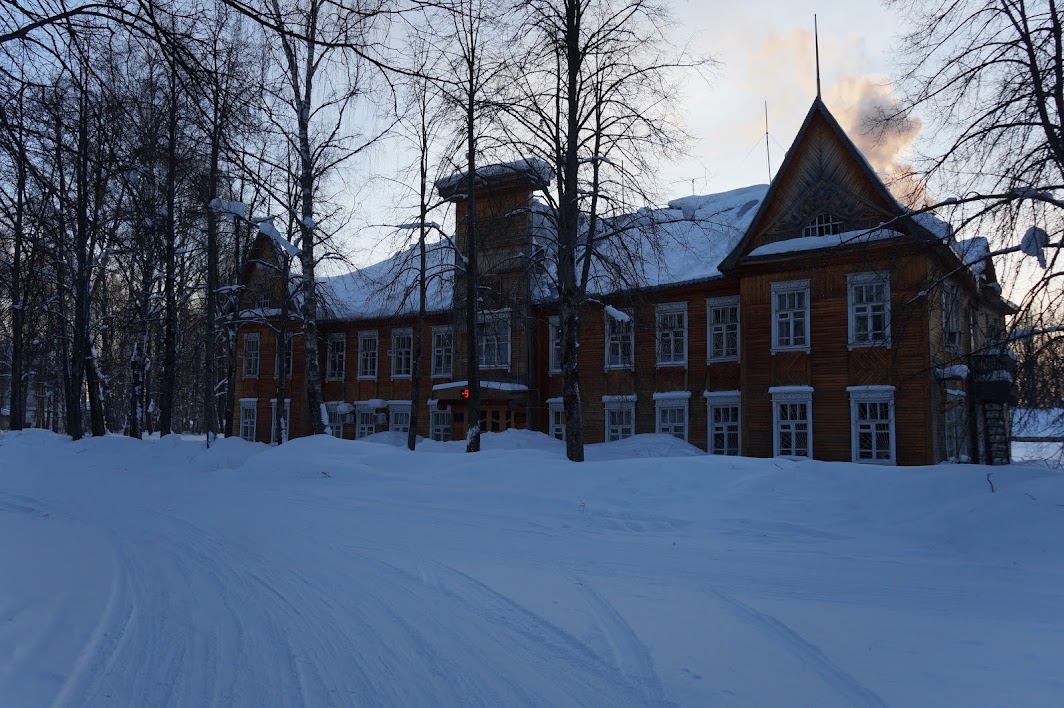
813	243
972	252
390	286
682	242
529	169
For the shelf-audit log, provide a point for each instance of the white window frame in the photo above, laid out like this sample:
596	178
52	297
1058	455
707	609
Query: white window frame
365	420
287	353
335	420
401	356
554	339
662	313
368	355
861	280
251	357
442	352
823	224
613	324
722	328
396	411
722	400
616	404
792	395
871	394
952	331
440	423
249	423
495	318
672	401
335	357
556	418
787	288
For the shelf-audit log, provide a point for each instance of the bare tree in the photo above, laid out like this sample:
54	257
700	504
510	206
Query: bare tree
593	98
323	80
987	78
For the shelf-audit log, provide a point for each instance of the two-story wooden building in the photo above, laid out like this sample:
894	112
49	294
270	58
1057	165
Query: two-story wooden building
813	317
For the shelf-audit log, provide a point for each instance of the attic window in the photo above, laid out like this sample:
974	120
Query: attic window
265	302
823	225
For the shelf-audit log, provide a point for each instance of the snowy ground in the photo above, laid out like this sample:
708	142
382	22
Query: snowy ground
328	572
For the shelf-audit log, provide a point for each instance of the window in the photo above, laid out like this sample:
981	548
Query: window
402	353
336	418
722	408
556	411
335	357
790	316
367	355
869	308
620	340
439	424
792	421
555	365
287	359
364	422
722	314
951	318
671	411
264	302
872	423
251	355
442	351
823	225
248	418
493	340
274	436
672	334
620	417
399	417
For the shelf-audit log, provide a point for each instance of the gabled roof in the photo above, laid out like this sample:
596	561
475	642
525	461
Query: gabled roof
819	113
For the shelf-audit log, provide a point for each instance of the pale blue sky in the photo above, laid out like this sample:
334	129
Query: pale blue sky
767	53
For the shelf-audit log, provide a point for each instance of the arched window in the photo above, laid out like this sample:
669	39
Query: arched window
824	224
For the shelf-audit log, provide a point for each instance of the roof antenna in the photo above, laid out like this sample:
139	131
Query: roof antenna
768	155
816	44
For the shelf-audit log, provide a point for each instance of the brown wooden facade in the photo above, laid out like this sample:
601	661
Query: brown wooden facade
823	173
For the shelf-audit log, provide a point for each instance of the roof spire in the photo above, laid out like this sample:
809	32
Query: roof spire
816	44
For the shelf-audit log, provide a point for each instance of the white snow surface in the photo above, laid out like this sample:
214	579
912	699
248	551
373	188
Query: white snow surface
390	286
814	243
332	573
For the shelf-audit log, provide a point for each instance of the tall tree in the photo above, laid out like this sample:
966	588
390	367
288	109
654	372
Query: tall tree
593	97
324	77
987	78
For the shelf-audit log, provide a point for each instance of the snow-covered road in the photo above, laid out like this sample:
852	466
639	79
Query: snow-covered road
338	573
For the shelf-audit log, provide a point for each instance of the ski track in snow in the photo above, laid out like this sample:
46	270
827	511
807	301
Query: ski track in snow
809	654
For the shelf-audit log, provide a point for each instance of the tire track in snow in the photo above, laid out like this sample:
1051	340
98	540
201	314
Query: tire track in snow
808	653
631	652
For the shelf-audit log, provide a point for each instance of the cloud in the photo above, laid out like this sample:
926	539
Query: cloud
861	104
858	100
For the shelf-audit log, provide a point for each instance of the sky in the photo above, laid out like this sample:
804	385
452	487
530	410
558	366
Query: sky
765	52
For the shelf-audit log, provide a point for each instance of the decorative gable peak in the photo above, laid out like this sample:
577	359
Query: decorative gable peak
825	188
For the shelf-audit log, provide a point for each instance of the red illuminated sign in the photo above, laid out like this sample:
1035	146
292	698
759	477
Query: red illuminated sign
465	393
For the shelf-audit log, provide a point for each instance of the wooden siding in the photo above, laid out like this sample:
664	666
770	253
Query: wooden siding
831	365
